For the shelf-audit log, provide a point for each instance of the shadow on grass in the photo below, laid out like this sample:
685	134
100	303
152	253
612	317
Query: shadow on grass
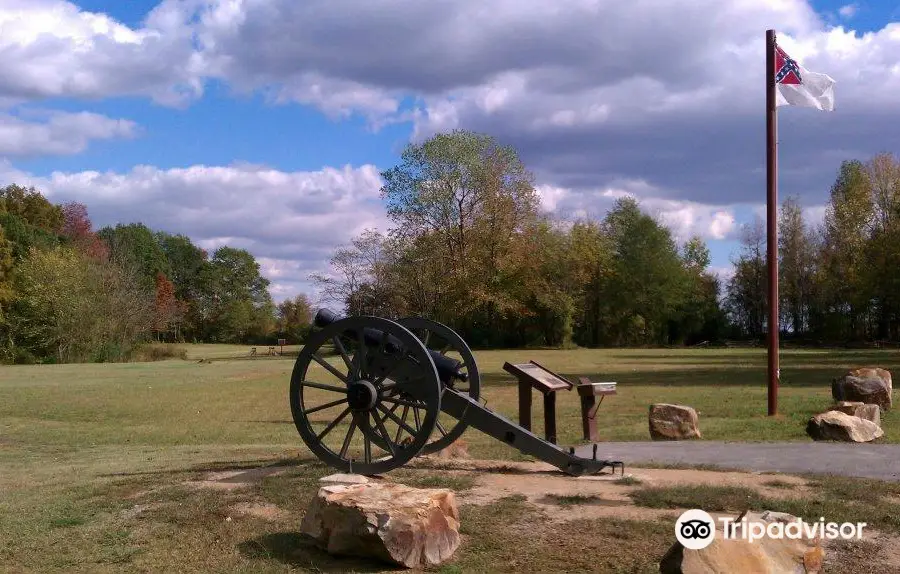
296	550
250	466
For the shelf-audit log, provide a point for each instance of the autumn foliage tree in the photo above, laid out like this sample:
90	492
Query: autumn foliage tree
77	227
470	248
169	311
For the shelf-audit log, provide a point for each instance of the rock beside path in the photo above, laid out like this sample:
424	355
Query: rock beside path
839	426
868	390
411	527
874	372
737	554
861	410
673	422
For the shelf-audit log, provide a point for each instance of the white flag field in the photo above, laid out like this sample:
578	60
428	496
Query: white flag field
797	86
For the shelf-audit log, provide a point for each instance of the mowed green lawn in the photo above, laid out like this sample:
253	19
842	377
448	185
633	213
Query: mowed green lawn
82	444
233	401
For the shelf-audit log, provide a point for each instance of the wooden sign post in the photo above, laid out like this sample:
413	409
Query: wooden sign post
531	375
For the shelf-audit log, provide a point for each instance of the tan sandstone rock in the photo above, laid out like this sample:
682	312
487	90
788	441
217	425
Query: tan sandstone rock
673	422
869	390
838	426
344	478
411	527
736	554
861	410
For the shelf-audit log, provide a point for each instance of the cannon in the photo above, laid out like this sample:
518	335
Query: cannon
401	389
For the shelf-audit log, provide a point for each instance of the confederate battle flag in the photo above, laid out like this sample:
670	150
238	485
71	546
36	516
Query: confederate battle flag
797	86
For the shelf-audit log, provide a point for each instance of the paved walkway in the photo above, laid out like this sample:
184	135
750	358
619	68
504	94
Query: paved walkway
880	461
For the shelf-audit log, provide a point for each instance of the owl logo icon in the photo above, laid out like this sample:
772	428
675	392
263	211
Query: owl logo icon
695	529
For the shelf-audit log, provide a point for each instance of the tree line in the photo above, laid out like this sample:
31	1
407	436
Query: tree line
469	247
837	278
69	293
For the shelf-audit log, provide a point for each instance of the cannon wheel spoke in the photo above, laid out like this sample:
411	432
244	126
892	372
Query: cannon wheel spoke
442	340
336	420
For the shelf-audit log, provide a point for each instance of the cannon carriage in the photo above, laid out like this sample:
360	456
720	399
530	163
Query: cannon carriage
400	389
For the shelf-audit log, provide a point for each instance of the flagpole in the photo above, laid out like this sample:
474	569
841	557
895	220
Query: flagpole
772	220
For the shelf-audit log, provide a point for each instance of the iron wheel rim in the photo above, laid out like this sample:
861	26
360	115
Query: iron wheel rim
411	372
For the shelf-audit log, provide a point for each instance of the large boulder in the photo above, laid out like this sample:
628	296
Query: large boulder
874	372
673	422
869	390
738	554
838	426
861	410
411	527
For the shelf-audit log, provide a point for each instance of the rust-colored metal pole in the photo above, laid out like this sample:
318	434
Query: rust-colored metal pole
772	220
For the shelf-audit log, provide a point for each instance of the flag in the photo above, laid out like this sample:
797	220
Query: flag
797	86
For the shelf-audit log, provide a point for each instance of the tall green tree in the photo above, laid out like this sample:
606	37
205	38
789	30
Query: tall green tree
7	291
648	284
700	317
746	298
71	308
295	318
134	245
31	207
797	268
466	197
882	252
188	272
239	300
847	227
591	256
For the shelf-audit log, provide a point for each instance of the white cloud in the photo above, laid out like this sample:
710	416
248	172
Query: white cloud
567	84
673	119
51	48
290	221
57	133
848	11
684	218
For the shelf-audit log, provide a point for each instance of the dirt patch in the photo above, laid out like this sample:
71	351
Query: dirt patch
265	511
528	498
563	498
5	441
876	553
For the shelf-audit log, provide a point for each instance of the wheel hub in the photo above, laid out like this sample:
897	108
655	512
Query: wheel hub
362	396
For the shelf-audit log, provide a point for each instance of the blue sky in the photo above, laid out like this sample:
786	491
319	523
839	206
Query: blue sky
264	123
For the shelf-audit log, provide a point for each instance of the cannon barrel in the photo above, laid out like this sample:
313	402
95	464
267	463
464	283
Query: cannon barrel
447	367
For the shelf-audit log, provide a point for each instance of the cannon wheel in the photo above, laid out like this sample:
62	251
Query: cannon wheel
362	387
443	339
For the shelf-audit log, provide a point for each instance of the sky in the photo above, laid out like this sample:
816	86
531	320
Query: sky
265	124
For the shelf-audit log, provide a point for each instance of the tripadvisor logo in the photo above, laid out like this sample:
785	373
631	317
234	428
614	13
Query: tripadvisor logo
696	529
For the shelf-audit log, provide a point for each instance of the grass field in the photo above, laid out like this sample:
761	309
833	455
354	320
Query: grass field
83	446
